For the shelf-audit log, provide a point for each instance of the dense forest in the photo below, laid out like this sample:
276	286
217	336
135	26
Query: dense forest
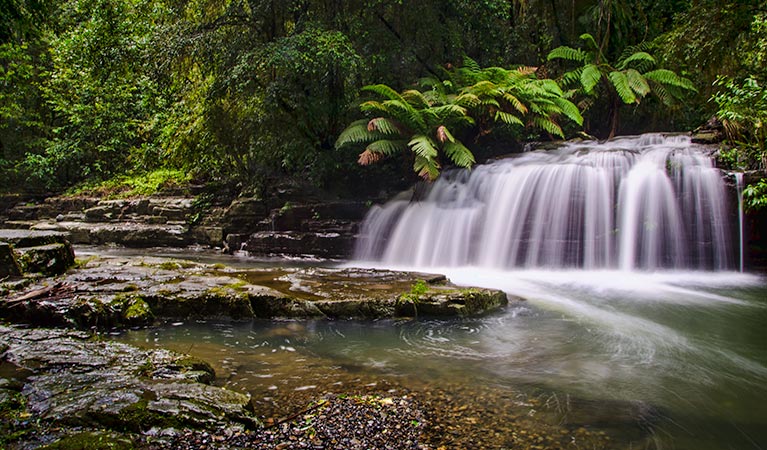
247	93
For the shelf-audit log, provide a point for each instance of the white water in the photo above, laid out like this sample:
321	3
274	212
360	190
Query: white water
637	203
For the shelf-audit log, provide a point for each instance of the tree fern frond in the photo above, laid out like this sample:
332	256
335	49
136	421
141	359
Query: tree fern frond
383	91
357	132
423	146
637	82
384	125
467	100
459	154
621	85
572	77
387	147
548	125
589	40
415	98
638	57
368	157
590	77
568	54
427	168
375	107
507	118
515	102
569	110
471	64
667	77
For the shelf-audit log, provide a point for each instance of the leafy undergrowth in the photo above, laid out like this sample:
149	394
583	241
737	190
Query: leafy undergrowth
136	185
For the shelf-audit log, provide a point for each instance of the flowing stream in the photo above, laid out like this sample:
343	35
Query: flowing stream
635	321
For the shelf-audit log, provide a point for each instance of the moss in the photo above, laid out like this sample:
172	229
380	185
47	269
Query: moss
14	418
141	184
137	417
91	440
138	310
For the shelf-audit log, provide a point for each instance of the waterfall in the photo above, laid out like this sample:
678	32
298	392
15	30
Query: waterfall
634	203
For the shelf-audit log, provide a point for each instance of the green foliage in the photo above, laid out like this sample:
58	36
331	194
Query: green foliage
470	100
626	82
755	196
126	186
742	108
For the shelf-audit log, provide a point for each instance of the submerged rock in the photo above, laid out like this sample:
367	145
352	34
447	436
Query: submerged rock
73	380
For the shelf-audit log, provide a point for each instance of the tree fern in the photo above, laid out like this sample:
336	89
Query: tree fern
621	85
387	147
383	91
590	77
637	82
669	78
423	146
568	54
639	58
459	154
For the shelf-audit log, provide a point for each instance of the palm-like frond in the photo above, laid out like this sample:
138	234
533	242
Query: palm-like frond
459	154
548	125
383	90
507	118
569	110
426	168
621	85
590	77
383	125
357	132
637	82
639	60
568	54
669	78
423	146
387	147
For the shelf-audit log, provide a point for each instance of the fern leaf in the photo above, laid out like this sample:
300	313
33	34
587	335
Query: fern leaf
368	157
374	107
355	133
387	147
569	109
423	146
471	64
589	40
669	78
507	118
383	91
590	77
383	125
621	84
568	54
572	77
467	100
515	102
459	154
415	98
634	58
637	82
548	125
427	168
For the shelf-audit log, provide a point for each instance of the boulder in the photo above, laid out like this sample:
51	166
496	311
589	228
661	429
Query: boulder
51	259
32	238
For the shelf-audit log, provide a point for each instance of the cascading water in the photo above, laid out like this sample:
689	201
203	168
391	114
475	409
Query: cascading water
647	202
739	184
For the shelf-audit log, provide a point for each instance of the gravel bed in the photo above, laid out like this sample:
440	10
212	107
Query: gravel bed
335	422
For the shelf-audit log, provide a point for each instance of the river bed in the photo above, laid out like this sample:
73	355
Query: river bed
597	359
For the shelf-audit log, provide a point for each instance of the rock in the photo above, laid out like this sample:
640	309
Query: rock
9	267
50	260
31	238
452	303
243	214
79	382
323	245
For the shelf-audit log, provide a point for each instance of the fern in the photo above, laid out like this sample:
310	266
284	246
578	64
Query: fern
459	154
568	54
547	125
387	147
621	85
642	58
357	132
637	82
382	90
569	109
423	146
669	78
509	119
590	77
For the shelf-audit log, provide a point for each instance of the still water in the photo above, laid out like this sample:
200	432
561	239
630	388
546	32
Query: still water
672	360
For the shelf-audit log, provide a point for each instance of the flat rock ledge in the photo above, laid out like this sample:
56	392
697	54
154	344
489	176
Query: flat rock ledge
71	379
113	292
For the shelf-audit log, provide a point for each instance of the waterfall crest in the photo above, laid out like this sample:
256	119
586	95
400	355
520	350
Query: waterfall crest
634	203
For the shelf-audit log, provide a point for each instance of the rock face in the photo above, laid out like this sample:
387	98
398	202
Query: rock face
69	379
111	292
45	252
268	227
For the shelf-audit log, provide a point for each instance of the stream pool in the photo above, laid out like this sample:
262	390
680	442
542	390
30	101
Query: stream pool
649	360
